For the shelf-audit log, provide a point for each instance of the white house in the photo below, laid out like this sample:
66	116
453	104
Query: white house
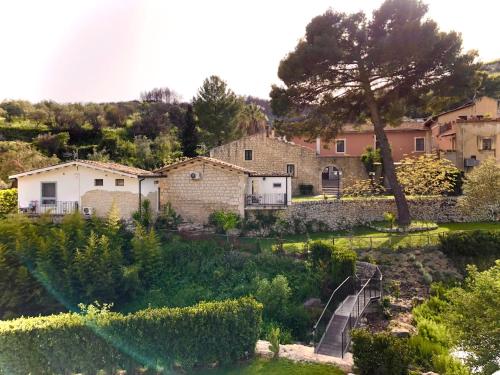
86	186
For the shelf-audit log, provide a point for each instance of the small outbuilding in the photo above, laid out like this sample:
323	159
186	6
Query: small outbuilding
90	187
198	186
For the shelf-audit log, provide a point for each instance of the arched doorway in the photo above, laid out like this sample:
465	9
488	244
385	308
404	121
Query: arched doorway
330	180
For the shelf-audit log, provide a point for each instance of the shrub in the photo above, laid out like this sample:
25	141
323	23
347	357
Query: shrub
380	353
274	296
445	364
390	218
343	264
320	253
423	350
167	218
305	189
274	340
224	220
210	332
471	244
8	201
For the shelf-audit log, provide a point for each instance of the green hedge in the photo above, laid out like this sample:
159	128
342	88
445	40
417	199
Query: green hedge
8	201
380	353
343	264
209	332
476	243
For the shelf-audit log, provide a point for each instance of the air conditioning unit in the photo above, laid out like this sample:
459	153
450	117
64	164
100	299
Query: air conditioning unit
471	162
195	175
87	211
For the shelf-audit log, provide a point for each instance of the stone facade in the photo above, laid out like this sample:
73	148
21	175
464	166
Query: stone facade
345	214
218	188
102	200
272	155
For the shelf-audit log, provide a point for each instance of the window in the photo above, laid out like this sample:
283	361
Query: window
98	182
420	144
340	146
49	193
119	182
487	144
276	184
290	169
462	117
248	155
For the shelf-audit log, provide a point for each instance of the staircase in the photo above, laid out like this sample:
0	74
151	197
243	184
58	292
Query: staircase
344	309
331	191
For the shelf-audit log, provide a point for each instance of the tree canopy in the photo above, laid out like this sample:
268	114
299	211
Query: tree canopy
352	69
217	108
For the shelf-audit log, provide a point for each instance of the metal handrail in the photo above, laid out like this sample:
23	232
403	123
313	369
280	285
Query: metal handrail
360	313
329	300
331	308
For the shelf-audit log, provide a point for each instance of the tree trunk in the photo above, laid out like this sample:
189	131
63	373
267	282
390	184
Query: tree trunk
390	171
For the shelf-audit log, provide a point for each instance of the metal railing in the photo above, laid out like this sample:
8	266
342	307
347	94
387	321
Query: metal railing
266	199
336	299
55	208
371	289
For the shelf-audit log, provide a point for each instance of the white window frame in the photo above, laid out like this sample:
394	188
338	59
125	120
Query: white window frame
41	193
121	179
100	179
415	144
245	154
294	174
337	148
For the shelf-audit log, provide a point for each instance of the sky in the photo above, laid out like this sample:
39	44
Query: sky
112	50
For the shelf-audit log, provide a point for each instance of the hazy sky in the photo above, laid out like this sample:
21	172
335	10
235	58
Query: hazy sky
107	50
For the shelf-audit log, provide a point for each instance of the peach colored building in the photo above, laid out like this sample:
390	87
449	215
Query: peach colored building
467	134
409	138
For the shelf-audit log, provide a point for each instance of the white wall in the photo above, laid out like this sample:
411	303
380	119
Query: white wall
73	181
265	185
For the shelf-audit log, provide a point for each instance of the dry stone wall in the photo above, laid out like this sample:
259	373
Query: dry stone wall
345	214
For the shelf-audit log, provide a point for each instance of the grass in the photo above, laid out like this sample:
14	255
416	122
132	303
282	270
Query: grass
366	238
261	366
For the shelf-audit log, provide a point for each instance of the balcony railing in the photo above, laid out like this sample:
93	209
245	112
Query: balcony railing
265	200
53	208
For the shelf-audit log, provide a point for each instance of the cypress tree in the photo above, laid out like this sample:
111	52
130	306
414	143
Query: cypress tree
189	135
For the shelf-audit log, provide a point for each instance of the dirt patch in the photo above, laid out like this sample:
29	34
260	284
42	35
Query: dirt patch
407	275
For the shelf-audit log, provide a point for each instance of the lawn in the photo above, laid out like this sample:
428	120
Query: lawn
366	238
261	366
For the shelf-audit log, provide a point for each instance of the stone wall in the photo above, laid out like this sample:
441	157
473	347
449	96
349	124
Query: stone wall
344	214
271	154
102	200
195	200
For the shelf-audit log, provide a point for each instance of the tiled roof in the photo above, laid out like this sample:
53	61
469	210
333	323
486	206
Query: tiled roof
270	174
113	167
206	159
404	126
117	167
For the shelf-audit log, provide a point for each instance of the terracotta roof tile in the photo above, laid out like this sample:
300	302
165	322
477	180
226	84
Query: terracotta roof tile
207	160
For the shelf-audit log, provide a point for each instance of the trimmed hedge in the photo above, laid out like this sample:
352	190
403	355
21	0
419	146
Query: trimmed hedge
8	201
209	332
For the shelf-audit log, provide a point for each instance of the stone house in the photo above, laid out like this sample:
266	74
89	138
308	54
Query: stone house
468	134
90	187
198	186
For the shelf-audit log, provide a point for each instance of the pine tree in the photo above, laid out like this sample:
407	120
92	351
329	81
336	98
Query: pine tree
189	134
